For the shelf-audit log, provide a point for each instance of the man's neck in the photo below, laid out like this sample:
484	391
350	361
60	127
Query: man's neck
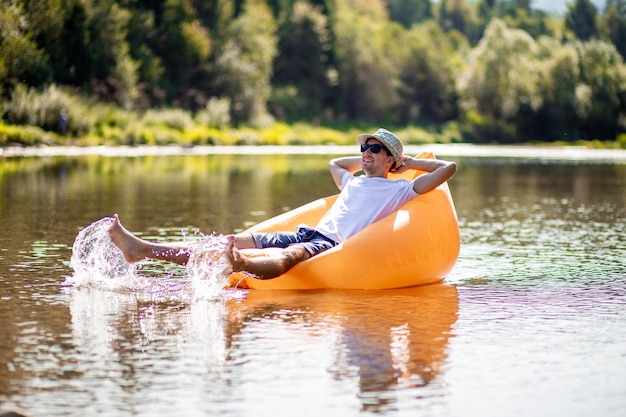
375	175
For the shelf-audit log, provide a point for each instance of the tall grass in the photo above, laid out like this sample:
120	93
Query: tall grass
44	109
31	117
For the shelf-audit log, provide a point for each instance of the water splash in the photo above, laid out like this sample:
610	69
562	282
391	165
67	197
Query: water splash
208	266
97	261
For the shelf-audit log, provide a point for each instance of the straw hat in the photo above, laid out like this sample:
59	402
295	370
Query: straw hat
390	141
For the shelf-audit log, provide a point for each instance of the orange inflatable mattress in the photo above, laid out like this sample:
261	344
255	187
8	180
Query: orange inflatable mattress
418	244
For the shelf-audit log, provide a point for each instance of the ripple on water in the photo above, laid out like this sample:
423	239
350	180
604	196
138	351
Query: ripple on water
552	241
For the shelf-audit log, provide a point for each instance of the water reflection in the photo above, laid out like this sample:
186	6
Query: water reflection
51	199
132	344
384	340
532	221
375	341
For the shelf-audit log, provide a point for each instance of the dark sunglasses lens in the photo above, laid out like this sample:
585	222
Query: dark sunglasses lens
374	147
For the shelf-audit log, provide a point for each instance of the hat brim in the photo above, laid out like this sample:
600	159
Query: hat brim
365	137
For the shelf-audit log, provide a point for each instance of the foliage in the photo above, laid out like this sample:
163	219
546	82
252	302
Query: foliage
453	15
113	67
185	48
244	62
364	43
484	70
581	19
563	99
426	76
215	114
604	74
615	24
24	135
20	56
302	69
46	109
500	80
409	12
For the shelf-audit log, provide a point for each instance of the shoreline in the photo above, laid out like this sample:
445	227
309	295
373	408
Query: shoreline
556	153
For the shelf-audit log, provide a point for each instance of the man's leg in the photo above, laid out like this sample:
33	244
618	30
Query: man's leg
265	266
136	249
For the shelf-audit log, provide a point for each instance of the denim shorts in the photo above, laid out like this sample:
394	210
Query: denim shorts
312	240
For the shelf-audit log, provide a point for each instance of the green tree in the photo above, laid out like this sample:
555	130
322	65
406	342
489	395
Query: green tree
518	14
244	62
46	20
409	12
427	91
452	15
142	35
580	19
511	7
583	87
498	88
113	71
485	9
563	98
20	56
208	12
185	48
365	44
69	57
615	24
302	65
603	74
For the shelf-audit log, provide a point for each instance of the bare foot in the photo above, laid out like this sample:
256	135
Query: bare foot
129	244
235	258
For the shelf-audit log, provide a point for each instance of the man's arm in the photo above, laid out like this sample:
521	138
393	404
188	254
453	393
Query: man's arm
339	166
438	172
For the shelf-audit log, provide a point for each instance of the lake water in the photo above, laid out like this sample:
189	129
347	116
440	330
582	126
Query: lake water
530	322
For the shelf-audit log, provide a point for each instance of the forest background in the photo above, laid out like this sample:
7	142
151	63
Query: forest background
87	72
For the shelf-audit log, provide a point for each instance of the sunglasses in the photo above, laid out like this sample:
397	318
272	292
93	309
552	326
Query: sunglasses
374	147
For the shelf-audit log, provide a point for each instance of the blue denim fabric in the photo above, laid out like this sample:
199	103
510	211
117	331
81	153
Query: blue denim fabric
312	240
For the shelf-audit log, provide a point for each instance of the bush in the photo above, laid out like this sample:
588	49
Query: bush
277	134
176	119
202	135
450	133
24	135
53	109
415	136
286	104
110	115
215	114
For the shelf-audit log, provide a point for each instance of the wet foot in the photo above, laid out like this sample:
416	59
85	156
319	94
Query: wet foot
234	256
129	244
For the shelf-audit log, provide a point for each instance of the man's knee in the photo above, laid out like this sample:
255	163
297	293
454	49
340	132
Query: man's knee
294	254
244	241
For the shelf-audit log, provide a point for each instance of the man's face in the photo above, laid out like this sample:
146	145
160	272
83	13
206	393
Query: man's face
376	163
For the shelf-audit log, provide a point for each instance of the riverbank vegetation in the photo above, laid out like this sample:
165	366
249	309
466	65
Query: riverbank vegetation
86	72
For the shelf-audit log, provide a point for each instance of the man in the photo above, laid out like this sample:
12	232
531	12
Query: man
363	200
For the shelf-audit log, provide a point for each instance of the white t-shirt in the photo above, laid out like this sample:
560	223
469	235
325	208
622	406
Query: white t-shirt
363	201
